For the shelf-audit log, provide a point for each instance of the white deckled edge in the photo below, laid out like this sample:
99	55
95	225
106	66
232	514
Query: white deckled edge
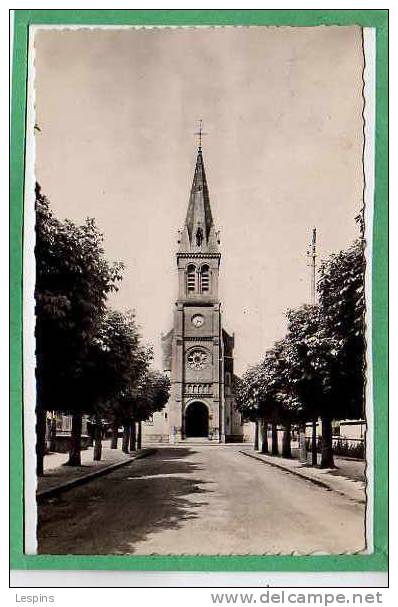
28	319
369	45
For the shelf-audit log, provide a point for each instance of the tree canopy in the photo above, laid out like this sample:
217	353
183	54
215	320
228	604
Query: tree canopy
342	304
116	363
73	279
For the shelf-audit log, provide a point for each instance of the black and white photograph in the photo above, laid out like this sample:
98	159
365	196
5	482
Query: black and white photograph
197	367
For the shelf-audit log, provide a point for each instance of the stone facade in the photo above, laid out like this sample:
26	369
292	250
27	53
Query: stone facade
198	352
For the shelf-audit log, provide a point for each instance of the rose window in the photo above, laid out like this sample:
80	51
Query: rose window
197	359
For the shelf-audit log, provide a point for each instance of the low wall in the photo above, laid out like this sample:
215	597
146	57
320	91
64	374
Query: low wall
62	443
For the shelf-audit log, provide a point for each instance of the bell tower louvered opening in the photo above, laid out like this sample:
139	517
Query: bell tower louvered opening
191	279
205	279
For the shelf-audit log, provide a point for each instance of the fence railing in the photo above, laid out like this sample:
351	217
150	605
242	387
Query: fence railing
344	446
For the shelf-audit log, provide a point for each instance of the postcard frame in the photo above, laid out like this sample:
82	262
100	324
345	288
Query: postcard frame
378	19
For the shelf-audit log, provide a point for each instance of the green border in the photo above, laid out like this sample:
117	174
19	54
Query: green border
378	19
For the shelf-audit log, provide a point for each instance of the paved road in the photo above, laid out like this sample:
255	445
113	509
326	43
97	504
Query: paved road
200	500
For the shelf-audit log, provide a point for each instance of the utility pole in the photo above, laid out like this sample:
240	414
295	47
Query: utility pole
311	253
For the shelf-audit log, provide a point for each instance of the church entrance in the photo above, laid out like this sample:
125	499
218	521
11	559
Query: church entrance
196	420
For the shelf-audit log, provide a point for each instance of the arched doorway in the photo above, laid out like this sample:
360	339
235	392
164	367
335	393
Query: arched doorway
196	420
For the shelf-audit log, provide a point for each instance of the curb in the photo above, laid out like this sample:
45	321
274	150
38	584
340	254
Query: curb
315	481
75	482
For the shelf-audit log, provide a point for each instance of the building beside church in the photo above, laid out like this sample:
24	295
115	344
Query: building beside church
198	351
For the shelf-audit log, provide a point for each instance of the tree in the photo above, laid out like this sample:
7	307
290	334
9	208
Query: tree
73	280
120	363
246	393
263	395
312	354
278	400
341	289
247	401
118	359
143	398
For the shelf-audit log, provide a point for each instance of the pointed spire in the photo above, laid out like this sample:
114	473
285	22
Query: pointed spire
198	233
199	211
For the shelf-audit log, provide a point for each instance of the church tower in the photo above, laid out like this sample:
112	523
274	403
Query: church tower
198	352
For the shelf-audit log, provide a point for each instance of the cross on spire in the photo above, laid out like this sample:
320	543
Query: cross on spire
200	134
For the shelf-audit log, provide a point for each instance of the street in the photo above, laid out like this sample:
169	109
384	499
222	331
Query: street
200	499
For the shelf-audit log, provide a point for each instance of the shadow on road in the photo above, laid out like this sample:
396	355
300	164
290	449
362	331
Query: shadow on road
112	514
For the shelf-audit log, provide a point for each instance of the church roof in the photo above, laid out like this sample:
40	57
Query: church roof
198	233
199	210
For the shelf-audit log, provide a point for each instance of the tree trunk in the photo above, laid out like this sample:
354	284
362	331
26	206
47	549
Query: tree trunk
125	439
287	441
133	436
256	435
314	445
327	460
274	439
90	432
98	441
47	438
302	445
115	435
41	424
139	435
53	435
75	441
264	437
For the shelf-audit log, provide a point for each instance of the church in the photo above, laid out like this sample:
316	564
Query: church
198	351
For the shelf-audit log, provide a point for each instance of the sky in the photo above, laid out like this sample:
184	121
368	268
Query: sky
282	111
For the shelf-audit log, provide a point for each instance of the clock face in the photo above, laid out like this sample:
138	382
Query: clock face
197	320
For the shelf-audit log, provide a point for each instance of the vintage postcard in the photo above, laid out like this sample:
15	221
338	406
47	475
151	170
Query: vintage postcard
199	207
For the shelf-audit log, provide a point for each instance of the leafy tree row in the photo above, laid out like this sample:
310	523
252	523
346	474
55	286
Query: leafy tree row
89	359
318	369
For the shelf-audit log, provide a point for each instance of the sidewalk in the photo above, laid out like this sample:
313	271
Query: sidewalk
353	469
57	476
345	479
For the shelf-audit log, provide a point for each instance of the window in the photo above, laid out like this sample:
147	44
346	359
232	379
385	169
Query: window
199	237
205	279
191	271
197	359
